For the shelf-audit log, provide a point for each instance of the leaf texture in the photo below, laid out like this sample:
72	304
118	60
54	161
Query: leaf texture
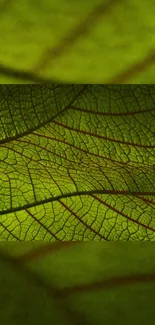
77	162
103	41
77	283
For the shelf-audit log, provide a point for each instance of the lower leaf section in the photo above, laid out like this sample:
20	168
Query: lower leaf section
77	283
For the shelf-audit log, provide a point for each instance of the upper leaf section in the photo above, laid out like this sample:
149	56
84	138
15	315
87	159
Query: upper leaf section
95	41
77	162
25	109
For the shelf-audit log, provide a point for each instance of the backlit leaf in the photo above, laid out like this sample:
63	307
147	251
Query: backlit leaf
77	162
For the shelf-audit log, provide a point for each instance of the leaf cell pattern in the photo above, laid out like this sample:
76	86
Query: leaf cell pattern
77	162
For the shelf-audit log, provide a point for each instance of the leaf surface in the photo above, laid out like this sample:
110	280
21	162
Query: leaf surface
108	41
77	283
77	162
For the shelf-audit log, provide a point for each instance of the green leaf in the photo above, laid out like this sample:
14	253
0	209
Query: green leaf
77	162
98	41
77	283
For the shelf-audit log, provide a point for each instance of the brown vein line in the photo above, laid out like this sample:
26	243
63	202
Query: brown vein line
35	279
112	113
133	70
22	154
43	149
72	194
31	130
45	249
102	137
42	225
122	214
83	222
108	284
83	150
71	38
26	75
9	232
145	200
